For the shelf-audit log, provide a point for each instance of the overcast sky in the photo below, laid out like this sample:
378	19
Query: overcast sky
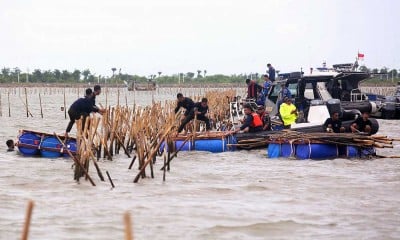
146	36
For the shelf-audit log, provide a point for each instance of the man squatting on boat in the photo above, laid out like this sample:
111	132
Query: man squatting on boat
198	109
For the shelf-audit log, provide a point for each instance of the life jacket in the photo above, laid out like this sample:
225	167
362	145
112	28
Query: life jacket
257	122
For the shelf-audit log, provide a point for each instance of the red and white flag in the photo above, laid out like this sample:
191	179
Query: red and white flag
360	56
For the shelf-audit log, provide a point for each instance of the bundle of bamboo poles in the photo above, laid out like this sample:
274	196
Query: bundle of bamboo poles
351	139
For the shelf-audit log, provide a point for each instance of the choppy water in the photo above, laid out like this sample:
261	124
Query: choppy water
240	195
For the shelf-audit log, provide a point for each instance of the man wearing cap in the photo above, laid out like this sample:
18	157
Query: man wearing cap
288	112
266	120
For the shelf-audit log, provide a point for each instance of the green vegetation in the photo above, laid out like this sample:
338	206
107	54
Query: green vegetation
57	76
14	75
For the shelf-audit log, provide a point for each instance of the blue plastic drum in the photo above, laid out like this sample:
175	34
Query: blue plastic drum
210	145
274	150
316	151
287	150
71	146
50	147
186	147
29	143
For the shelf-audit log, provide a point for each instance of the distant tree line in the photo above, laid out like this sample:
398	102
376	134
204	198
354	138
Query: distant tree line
14	75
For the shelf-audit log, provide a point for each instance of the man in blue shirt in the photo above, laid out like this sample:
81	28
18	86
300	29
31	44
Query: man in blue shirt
271	72
267	84
284	92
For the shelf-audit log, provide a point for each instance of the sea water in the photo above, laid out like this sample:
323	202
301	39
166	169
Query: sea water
231	195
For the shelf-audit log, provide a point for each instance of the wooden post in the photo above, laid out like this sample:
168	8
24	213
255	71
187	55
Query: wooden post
65	109
40	102
9	106
26	104
118	97
128	226
109	178
28	216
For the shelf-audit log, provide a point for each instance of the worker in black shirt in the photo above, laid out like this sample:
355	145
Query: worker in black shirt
362	124
199	110
184	102
96	92
333	124
81	107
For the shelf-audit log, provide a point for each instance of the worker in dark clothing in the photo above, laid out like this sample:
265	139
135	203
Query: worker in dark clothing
96	92
333	124
362	124
253	89
81	108
184	102
199	110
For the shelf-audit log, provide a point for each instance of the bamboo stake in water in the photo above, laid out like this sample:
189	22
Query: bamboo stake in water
26	104
28	217
118	97
128	226
40	102
9	106
65	109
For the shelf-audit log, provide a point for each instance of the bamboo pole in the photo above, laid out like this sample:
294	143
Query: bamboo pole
26	103
128	226
9	104
75	159
109	178
40	103
27	223
65	107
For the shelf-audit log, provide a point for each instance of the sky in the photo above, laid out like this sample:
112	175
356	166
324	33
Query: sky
221	36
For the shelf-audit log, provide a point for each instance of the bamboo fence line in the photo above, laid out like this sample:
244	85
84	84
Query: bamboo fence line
24	99
139	131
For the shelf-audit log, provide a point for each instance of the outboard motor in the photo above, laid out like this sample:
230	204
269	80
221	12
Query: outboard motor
389	108
334	106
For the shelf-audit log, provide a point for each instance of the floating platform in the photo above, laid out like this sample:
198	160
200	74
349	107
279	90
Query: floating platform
275	149
214	142
33	143
317	150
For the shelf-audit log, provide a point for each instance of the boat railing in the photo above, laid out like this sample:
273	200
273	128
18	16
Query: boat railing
357	96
